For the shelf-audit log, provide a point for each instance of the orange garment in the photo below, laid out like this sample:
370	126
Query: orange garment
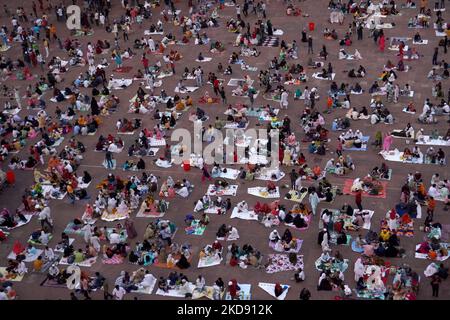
53	163
304	212
180	106
317	171
329	102
406	219
432	255
431	204
97	120
37	264
421	189
82	121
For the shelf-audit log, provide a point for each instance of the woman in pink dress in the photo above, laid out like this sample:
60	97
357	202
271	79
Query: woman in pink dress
388	139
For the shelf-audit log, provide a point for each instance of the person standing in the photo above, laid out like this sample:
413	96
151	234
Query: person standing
245	9
423	5
376	34
313	201
95	242
102	19
109	159
324	52
310	45
293	176
151	44
435	56
40	61
222	95
46	47
53	32
382	42
387	141
145	63
216	84
359	31
131	230
198	77
445	44
251	96
435	281
95	111
205	173
339	148
34	6
358	200
70	193
298	183
172	65
312	97
284	100
17	97
96	18
431	205
118	60
45	218
106	294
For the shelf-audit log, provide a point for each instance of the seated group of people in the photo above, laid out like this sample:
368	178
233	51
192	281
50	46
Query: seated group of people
243	256
340	167
382	172
360	73
351	139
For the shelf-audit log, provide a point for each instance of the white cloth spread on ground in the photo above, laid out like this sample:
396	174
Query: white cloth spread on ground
245	215
270	289
263	193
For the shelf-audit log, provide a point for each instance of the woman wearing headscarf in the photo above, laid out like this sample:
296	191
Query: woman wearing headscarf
94	107
131	230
